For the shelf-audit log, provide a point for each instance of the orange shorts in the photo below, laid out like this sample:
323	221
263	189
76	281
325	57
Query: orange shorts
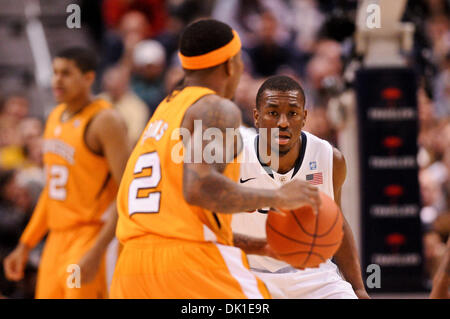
174	269
64	248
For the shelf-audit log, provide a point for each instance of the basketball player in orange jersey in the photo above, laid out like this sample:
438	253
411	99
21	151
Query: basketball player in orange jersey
280	105
85	153
174	215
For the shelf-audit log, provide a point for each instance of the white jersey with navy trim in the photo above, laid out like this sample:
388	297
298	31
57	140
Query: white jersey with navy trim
315	163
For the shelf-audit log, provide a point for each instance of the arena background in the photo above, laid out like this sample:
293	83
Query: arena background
378	88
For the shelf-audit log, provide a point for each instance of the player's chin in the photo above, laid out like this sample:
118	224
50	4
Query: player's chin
281	149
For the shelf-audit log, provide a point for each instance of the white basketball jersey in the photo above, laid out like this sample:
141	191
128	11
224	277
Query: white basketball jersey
314	164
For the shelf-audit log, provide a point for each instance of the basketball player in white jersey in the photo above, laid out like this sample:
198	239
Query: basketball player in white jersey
280	104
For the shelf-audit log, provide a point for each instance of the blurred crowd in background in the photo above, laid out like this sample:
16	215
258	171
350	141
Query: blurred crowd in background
310	40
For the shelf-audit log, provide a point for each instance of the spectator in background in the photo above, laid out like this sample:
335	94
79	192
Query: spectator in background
119	43
324	67
32	170
268	55
442	88
245	98
147	77
180	14
14	109
116	88
134	28
154	11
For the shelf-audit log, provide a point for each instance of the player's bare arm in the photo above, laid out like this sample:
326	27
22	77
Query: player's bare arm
14	264
441	280
200	180
106	135
347	256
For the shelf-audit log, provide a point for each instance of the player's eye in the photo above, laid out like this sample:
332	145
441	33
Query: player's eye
293	113
273	113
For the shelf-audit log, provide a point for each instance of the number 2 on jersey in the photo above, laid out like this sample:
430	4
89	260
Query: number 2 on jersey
59	175
140	199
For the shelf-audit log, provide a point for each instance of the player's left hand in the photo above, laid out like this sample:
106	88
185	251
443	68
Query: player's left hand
362	294
89	265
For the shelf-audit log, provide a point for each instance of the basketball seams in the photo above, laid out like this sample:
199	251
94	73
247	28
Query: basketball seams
300	224
338	213
300	252
299	241
316	226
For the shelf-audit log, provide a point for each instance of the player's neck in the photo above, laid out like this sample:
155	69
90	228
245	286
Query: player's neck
76	105
286	162
209	82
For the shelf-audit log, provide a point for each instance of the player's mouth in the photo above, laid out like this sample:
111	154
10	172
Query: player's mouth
57	91
283	138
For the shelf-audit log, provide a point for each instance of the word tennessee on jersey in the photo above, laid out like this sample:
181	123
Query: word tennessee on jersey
314	164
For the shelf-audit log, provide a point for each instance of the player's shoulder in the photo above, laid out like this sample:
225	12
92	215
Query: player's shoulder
215	111
57	110
315	139
214	102
107	120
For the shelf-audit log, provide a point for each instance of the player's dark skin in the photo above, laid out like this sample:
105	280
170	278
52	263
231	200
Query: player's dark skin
441	280
286	111
204	184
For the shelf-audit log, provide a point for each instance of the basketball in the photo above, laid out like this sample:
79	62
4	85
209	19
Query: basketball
304	239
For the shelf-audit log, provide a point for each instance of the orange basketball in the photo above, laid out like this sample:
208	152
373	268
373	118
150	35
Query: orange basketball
303	239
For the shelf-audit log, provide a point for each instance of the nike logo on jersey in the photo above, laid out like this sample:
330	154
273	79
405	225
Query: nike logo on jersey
242	181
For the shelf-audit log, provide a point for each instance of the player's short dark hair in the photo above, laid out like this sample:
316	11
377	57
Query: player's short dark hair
84	58
204	36
279	83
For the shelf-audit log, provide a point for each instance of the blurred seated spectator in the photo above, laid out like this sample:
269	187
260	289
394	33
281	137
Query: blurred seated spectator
317	123
154	11
180	14
118	44
245	97
268	55
12	111
147	76
116	89
442	88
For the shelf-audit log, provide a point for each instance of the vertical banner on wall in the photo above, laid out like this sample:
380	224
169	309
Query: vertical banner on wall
390	199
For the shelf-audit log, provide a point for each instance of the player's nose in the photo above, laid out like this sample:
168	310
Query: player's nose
283	121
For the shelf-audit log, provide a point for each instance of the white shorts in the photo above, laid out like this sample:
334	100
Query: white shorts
323	282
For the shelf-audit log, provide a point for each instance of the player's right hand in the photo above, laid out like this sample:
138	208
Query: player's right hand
14	263
296	194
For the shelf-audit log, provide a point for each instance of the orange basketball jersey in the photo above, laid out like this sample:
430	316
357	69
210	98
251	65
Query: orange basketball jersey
150	199
79	183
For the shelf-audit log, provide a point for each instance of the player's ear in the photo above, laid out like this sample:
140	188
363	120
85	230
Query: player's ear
229	67
256	117
89	77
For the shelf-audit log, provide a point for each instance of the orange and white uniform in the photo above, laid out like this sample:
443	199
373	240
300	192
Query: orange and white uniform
79	189
173	249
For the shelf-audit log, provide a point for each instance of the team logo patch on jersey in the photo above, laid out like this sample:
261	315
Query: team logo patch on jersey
315	179
76	123
313	165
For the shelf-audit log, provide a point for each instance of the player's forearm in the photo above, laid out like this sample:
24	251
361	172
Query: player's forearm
107	232
37	226
441	280
250	245
347	259
218	193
